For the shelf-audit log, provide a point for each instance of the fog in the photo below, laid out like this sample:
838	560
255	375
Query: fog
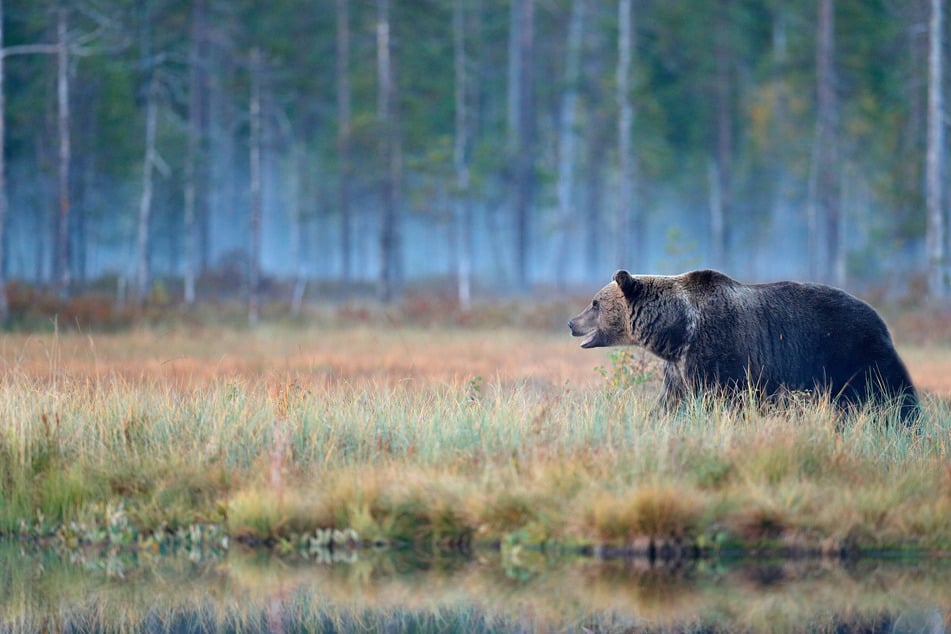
722	108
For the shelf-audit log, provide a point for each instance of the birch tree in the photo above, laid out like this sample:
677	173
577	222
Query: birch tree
61	49
935	158
344	127
61	268
721	177
826	256
148	65
524	181
513	99
463	209
143	270
514	78
568	134
625	201
195	71
297	178
600	133
390	257
254	158
780	131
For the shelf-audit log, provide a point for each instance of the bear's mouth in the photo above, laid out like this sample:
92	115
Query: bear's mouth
590	340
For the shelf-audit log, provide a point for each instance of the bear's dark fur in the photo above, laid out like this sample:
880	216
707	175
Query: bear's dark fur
717	334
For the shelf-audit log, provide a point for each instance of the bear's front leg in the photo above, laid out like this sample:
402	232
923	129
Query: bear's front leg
675	389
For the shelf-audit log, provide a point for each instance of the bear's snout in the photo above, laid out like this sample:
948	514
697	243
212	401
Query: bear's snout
576	328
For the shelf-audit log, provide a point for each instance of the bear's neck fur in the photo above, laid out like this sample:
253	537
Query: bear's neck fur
663	319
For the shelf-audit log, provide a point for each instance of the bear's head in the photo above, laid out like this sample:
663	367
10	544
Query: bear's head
652	311
607	319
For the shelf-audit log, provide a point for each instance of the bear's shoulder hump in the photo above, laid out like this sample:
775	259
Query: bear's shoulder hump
706	279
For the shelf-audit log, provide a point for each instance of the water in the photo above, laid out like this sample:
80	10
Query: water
487	591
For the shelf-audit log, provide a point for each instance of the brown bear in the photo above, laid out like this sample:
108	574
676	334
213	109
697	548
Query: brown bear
717	334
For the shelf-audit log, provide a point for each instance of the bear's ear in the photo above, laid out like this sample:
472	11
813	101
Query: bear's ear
628	285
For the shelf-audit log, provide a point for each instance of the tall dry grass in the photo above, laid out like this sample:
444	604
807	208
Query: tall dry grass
440	437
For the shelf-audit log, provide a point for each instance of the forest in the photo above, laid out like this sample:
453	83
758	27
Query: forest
482	146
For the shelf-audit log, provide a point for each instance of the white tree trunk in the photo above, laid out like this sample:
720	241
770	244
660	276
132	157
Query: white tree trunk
513	96
568	136
625	199
782	215
390	259
61	265
295	197
343	137
192	149
524	181
462	205
717	220
825	151
145	202
254	110
721	213
934	158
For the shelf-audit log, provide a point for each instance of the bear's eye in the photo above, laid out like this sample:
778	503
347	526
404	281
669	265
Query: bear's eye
594	303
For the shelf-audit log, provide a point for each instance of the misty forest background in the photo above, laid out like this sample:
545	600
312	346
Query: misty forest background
327	148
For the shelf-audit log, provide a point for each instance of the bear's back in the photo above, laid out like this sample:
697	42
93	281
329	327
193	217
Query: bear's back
786	333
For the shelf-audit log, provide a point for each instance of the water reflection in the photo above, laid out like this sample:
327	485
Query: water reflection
485	592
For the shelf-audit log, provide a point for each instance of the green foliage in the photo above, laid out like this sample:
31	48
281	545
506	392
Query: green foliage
628	368
474	389
768	74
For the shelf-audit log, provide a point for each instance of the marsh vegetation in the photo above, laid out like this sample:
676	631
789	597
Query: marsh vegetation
441	438
438	477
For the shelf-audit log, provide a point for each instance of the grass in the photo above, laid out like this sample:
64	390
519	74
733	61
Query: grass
439	438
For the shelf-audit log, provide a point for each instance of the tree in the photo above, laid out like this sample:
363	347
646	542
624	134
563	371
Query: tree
254	159
344	132
600	132
778	152
935	159
721	178
61	252
193	144
65	47
460	157
524	181
823	207
625	202
143	270
514	81
147	64
297	178
568	134
390	256
723	116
